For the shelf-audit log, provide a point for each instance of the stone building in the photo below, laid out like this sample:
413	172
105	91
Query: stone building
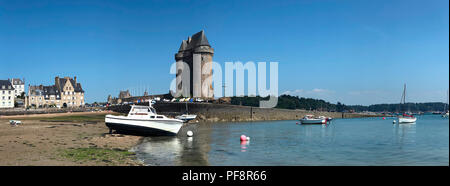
197	53
19	86
66	92
6	94
123	94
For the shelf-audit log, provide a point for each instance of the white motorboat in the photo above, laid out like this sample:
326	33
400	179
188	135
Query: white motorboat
309	119
186	117
143	120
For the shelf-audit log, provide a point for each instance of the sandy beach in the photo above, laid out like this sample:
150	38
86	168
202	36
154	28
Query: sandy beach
64	139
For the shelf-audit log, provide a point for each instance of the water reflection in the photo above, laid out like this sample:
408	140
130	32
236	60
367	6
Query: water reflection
178	150
404	133
317	132
244	145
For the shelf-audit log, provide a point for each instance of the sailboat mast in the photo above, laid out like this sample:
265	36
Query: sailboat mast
446	106
404	94
402	100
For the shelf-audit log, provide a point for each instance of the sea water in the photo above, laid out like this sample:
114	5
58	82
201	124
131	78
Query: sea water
360	141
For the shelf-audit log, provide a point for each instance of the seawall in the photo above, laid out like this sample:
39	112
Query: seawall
22	111
208	112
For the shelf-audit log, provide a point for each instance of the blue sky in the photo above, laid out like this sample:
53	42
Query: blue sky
355	52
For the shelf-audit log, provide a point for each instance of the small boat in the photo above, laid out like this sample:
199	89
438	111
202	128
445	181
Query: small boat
405	118
143	120
309	119
445	115
186	117
15	122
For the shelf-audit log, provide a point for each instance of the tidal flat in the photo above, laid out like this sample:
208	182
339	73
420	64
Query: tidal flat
68	139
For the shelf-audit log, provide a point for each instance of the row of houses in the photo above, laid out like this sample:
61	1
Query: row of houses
65	92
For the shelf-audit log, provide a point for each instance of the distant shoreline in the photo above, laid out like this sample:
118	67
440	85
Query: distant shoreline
235	113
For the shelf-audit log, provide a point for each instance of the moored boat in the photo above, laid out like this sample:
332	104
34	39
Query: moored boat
309	119
405	118
186	117
143	120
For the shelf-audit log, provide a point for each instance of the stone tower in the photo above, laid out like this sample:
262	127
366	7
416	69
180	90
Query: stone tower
197	54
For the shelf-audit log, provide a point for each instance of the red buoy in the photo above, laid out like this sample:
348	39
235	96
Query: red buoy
243	138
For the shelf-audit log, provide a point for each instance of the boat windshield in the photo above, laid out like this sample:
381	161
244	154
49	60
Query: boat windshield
142	109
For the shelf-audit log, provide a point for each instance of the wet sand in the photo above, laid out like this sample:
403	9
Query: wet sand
64	139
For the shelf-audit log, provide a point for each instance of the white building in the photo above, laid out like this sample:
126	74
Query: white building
6	94
19	86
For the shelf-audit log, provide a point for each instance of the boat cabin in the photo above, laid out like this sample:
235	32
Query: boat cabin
144	112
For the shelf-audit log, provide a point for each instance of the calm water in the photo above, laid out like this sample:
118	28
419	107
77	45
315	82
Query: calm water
367	141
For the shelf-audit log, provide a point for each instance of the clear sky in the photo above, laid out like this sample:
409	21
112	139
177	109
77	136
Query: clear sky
355	52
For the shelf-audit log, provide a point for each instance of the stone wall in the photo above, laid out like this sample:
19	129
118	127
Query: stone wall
21	111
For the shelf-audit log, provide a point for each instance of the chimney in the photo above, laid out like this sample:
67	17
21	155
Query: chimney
75	79
57	80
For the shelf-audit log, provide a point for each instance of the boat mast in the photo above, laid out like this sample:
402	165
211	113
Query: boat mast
403	99
446	106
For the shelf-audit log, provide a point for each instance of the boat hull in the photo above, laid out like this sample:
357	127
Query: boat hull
166	127
186	117
313	121
407	120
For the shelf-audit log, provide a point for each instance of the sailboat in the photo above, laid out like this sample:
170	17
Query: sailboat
405	118
445	115
186	117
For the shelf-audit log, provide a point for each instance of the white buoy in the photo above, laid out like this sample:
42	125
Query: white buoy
190	133
394	122
248	138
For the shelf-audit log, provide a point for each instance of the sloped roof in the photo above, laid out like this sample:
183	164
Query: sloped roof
7	84
183	45
17	81
36	90
51	90
76	86
198	39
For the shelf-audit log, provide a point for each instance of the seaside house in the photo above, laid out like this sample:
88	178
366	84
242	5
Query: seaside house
6	94
66	92
19	86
